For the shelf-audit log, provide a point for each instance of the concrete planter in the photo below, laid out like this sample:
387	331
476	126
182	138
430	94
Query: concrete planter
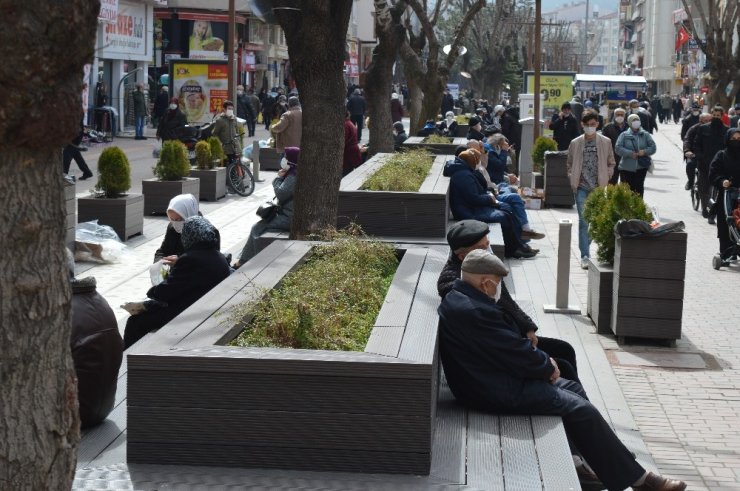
199	402
462	131
124	214
70	210
435	148
269	159
212	183
391	213
600	292
648	287
557	182
157	194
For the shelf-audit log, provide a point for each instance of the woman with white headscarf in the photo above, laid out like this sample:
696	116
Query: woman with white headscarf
181	208
448	126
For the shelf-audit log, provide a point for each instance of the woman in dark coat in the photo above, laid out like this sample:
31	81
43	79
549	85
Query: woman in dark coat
396	108
181	207
172	122
196	272
352	153
724	172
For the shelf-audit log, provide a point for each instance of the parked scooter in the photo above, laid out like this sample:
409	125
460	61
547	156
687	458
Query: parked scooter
192	134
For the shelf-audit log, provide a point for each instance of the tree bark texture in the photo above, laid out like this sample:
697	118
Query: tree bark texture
379	75
316	37
39	113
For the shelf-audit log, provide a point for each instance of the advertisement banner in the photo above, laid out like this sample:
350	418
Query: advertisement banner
207	40
201	87
126	36
556	87
108	11
249	60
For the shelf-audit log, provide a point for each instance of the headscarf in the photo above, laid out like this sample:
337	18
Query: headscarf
731	152
185	205
470	157
292	155
200	233
449	117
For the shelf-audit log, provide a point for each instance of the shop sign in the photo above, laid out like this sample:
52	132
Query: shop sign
108	11
126	36
555	87
352	66
248	61
207	39
201	87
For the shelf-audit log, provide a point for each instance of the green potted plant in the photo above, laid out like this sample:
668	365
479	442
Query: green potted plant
217	151
171	179
212	178
109	203
604	208
541	145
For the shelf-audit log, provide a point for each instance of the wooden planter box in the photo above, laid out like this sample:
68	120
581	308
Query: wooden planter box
648	286
600	290
70	210
269	159
212	183
124	214
557	182
392	213
157	194
462	131
435	148
201	403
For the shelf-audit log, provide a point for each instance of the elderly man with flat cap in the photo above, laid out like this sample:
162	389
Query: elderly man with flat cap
489	366
469	235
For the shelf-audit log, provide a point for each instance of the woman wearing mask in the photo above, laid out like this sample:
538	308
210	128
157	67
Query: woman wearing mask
724	172
635	146
181	208
200	268
283	184
448	126
172	122
612	131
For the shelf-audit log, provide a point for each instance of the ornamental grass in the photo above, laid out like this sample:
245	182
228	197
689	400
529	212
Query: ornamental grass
405	171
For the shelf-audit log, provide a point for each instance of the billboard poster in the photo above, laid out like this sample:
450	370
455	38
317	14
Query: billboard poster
108	11
201	88
126	36
207	40
556	87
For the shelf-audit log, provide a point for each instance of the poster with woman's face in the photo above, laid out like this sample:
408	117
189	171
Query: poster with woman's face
207	40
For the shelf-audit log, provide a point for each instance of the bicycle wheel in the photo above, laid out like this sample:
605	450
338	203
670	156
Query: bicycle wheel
240	179
695	202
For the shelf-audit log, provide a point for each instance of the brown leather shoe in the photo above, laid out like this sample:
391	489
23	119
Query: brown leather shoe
656	482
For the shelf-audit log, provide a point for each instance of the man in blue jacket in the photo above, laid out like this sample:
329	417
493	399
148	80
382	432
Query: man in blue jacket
489	366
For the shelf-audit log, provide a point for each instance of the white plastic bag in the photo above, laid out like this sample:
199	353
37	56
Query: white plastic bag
98	243
157	150
158	272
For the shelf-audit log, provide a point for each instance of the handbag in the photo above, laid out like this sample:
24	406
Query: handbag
644	162
267	210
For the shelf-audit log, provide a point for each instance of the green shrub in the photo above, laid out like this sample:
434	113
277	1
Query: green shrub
541	145
329	302
203	157
404	171
604	208
173	163
217	150
462	118
114	173
435	139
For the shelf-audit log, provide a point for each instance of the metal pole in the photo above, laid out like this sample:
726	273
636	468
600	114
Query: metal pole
230	46
563	275
537	67
256	161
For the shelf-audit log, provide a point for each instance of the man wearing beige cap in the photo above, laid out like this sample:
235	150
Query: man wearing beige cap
489	366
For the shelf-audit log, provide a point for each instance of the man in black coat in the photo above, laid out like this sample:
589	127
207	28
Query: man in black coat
646	119
690	120
724	172
466	236
736	118
709	139
564	127
489	366
198	270
244	109
357	106
448	103
160	105
688	149
612	131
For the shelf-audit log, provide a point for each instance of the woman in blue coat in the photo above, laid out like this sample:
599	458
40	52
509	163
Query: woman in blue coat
635	146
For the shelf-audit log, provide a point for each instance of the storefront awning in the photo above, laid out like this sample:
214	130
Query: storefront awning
600	83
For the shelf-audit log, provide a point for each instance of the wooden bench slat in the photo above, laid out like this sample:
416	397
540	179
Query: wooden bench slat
450	438
485	467
521	469
558	472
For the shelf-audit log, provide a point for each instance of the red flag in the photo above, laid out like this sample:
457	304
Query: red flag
682	38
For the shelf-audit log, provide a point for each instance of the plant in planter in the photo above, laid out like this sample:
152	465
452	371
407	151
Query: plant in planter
212	178
171	170
402	172
437	139
110	204
541	145
217	150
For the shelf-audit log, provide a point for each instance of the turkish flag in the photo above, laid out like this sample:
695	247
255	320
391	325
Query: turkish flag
683	37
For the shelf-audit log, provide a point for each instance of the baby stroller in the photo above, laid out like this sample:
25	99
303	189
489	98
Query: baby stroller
731	203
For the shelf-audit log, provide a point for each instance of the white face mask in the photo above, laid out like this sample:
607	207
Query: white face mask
496	296
229	113
589	130
178	225
635	125
173	107
240	92
695	113
619	119
635	110
284	164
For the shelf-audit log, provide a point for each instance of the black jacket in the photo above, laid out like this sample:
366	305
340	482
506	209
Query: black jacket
709	139
725	166
171	124
97	351
687	123
612	131
451	272
448	103
475	135
398	140
688	141
488	364
564	130
244	108
356	105
161	103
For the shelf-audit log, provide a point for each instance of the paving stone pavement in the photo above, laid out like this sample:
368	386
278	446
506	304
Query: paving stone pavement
687	417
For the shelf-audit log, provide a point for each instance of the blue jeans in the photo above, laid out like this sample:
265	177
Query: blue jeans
140	126
515	206
583	240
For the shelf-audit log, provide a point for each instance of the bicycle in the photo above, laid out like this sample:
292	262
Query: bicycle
238	176
695	200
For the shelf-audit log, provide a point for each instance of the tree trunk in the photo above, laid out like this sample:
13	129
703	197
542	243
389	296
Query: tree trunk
316	37
432	103
379	76
415	101
40	112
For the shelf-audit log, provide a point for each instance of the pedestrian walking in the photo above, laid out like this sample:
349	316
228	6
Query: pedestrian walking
357	106
140	111
254	101
612	131
635	146
72	152
564	126
160	105
724	172
709	139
